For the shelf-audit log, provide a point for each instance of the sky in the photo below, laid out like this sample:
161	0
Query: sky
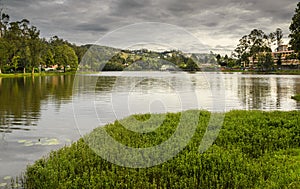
216	25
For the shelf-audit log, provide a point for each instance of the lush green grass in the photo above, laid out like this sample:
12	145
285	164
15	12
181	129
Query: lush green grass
253	150
296	97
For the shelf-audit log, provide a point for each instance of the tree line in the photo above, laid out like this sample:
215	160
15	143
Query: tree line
23	50
256	46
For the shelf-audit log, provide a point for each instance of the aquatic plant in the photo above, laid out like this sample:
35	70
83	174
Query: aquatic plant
254	149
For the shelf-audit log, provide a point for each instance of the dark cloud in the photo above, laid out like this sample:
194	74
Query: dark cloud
215	22
91	27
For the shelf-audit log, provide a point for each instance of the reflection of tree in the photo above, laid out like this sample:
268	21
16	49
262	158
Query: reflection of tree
21	99
268	92
253	92
105	83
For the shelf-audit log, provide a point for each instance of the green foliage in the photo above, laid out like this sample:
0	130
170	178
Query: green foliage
4	53
99	58
296	97
15	62
65	56
20	39
254	149
265	62
295	30
256	43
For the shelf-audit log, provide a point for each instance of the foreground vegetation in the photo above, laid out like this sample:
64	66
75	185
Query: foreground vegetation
254	149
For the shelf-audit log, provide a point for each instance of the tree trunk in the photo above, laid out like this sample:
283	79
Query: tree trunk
32	71
24	70
0	71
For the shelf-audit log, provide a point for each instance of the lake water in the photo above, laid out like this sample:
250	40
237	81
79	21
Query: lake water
41	114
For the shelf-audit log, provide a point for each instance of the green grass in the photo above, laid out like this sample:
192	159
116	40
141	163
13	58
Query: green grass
254	149
296	97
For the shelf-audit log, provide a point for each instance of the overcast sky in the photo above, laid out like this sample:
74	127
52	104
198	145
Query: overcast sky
216	23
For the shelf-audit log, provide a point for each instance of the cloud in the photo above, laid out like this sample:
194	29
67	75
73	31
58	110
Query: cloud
215	22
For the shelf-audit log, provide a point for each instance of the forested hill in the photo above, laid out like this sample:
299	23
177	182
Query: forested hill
22	50
99	58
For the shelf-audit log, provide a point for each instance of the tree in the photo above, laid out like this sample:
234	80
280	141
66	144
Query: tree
253	44
65	56
15	62
47	58
278	35
295	30
279	61
218	57
4	53
265	61
4	20
35	46
191	65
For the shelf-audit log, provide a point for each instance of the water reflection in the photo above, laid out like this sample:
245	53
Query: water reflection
268	92
41	109
21	99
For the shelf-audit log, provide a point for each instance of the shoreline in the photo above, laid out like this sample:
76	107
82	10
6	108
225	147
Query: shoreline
289	72
18	75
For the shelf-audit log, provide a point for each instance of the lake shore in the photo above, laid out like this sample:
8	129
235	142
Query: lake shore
35	74
277	72
254	149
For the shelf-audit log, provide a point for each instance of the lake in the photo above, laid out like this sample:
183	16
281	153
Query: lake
41	114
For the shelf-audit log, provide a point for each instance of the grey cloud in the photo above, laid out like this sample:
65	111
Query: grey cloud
86	20
91	27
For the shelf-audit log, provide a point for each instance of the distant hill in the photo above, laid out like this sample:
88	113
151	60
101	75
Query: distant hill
101	58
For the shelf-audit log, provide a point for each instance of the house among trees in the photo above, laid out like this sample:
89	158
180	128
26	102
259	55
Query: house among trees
285	57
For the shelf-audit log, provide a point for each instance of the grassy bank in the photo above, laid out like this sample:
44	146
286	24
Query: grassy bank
253	150
296	97
35	74
278	72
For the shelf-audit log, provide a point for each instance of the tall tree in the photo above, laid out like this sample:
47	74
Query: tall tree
265	61
295	30
279	36
4	53
35	46
65	56
254	43
4	20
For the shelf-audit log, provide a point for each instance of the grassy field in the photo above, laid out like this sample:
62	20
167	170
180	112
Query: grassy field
254	149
